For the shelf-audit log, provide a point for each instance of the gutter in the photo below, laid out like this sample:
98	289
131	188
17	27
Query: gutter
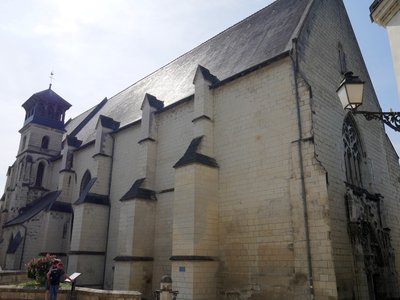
295	66
252	69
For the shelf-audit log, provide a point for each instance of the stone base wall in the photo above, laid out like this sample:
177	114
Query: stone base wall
12	277
16	293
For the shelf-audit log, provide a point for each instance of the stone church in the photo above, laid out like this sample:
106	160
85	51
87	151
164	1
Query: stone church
233	169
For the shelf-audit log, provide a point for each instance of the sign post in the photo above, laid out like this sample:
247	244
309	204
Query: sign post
73	282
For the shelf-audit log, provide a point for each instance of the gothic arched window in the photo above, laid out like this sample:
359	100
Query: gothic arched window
45	142
20	170
23	143
85	180
40	174
352	152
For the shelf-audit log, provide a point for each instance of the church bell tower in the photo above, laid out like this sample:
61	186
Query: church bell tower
41	138
30	186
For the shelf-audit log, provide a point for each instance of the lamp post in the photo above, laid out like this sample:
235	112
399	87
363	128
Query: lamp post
350	93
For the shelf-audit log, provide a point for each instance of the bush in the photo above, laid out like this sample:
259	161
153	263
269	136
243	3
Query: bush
38	267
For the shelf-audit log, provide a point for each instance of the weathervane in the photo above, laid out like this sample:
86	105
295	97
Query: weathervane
51	79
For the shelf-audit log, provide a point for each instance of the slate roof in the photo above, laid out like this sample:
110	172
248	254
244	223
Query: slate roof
73	126
87	197
259	38
46	96
137	192
32	209
15	242
374	5
191	156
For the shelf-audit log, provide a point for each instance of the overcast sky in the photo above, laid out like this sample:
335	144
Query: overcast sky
96	48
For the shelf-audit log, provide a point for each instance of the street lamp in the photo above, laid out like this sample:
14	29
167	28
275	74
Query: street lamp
350	93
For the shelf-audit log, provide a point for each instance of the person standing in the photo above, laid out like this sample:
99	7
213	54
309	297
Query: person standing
56	261
55	276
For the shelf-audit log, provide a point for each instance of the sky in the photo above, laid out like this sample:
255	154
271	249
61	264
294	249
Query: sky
96	48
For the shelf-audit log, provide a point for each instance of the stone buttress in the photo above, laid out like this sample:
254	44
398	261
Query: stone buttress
195	207
91	211
134	263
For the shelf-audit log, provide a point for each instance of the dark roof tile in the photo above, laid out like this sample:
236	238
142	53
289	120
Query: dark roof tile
108	122
33	208
14	243
46	96
87	197
191	156
137	192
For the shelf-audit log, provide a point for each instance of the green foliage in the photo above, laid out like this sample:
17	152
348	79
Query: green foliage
37	268
36	285
29	284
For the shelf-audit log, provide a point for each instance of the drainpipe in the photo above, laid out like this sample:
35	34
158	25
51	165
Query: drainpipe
109	211
23	247
295	66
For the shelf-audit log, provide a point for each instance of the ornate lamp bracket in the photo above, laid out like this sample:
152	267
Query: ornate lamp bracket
391	119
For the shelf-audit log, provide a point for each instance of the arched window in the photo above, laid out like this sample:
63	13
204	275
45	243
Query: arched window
23	143
20	170
45	142
85	180
352	152
58	115
40	174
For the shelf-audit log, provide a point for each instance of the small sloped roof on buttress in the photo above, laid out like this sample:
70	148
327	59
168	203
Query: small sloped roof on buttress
46	202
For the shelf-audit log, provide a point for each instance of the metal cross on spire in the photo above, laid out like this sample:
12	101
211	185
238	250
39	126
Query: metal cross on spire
51	79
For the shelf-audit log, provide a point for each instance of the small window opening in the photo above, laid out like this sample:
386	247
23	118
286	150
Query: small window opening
85	180
39	175
45	142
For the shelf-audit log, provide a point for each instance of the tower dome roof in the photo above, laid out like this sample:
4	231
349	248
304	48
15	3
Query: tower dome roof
46	96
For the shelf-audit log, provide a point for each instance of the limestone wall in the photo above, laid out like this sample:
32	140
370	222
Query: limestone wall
54	168
83	161
12	277
125	149
173	137
35	238
36	134
321	67
56	232
255	130
16	293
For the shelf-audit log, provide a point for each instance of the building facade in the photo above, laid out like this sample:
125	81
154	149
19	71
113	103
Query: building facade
233	169
387	14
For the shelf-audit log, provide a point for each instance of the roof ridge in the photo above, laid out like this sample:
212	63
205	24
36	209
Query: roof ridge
95	110
299	27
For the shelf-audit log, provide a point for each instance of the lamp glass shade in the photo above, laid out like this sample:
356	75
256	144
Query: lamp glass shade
344	98
355	93
350	91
